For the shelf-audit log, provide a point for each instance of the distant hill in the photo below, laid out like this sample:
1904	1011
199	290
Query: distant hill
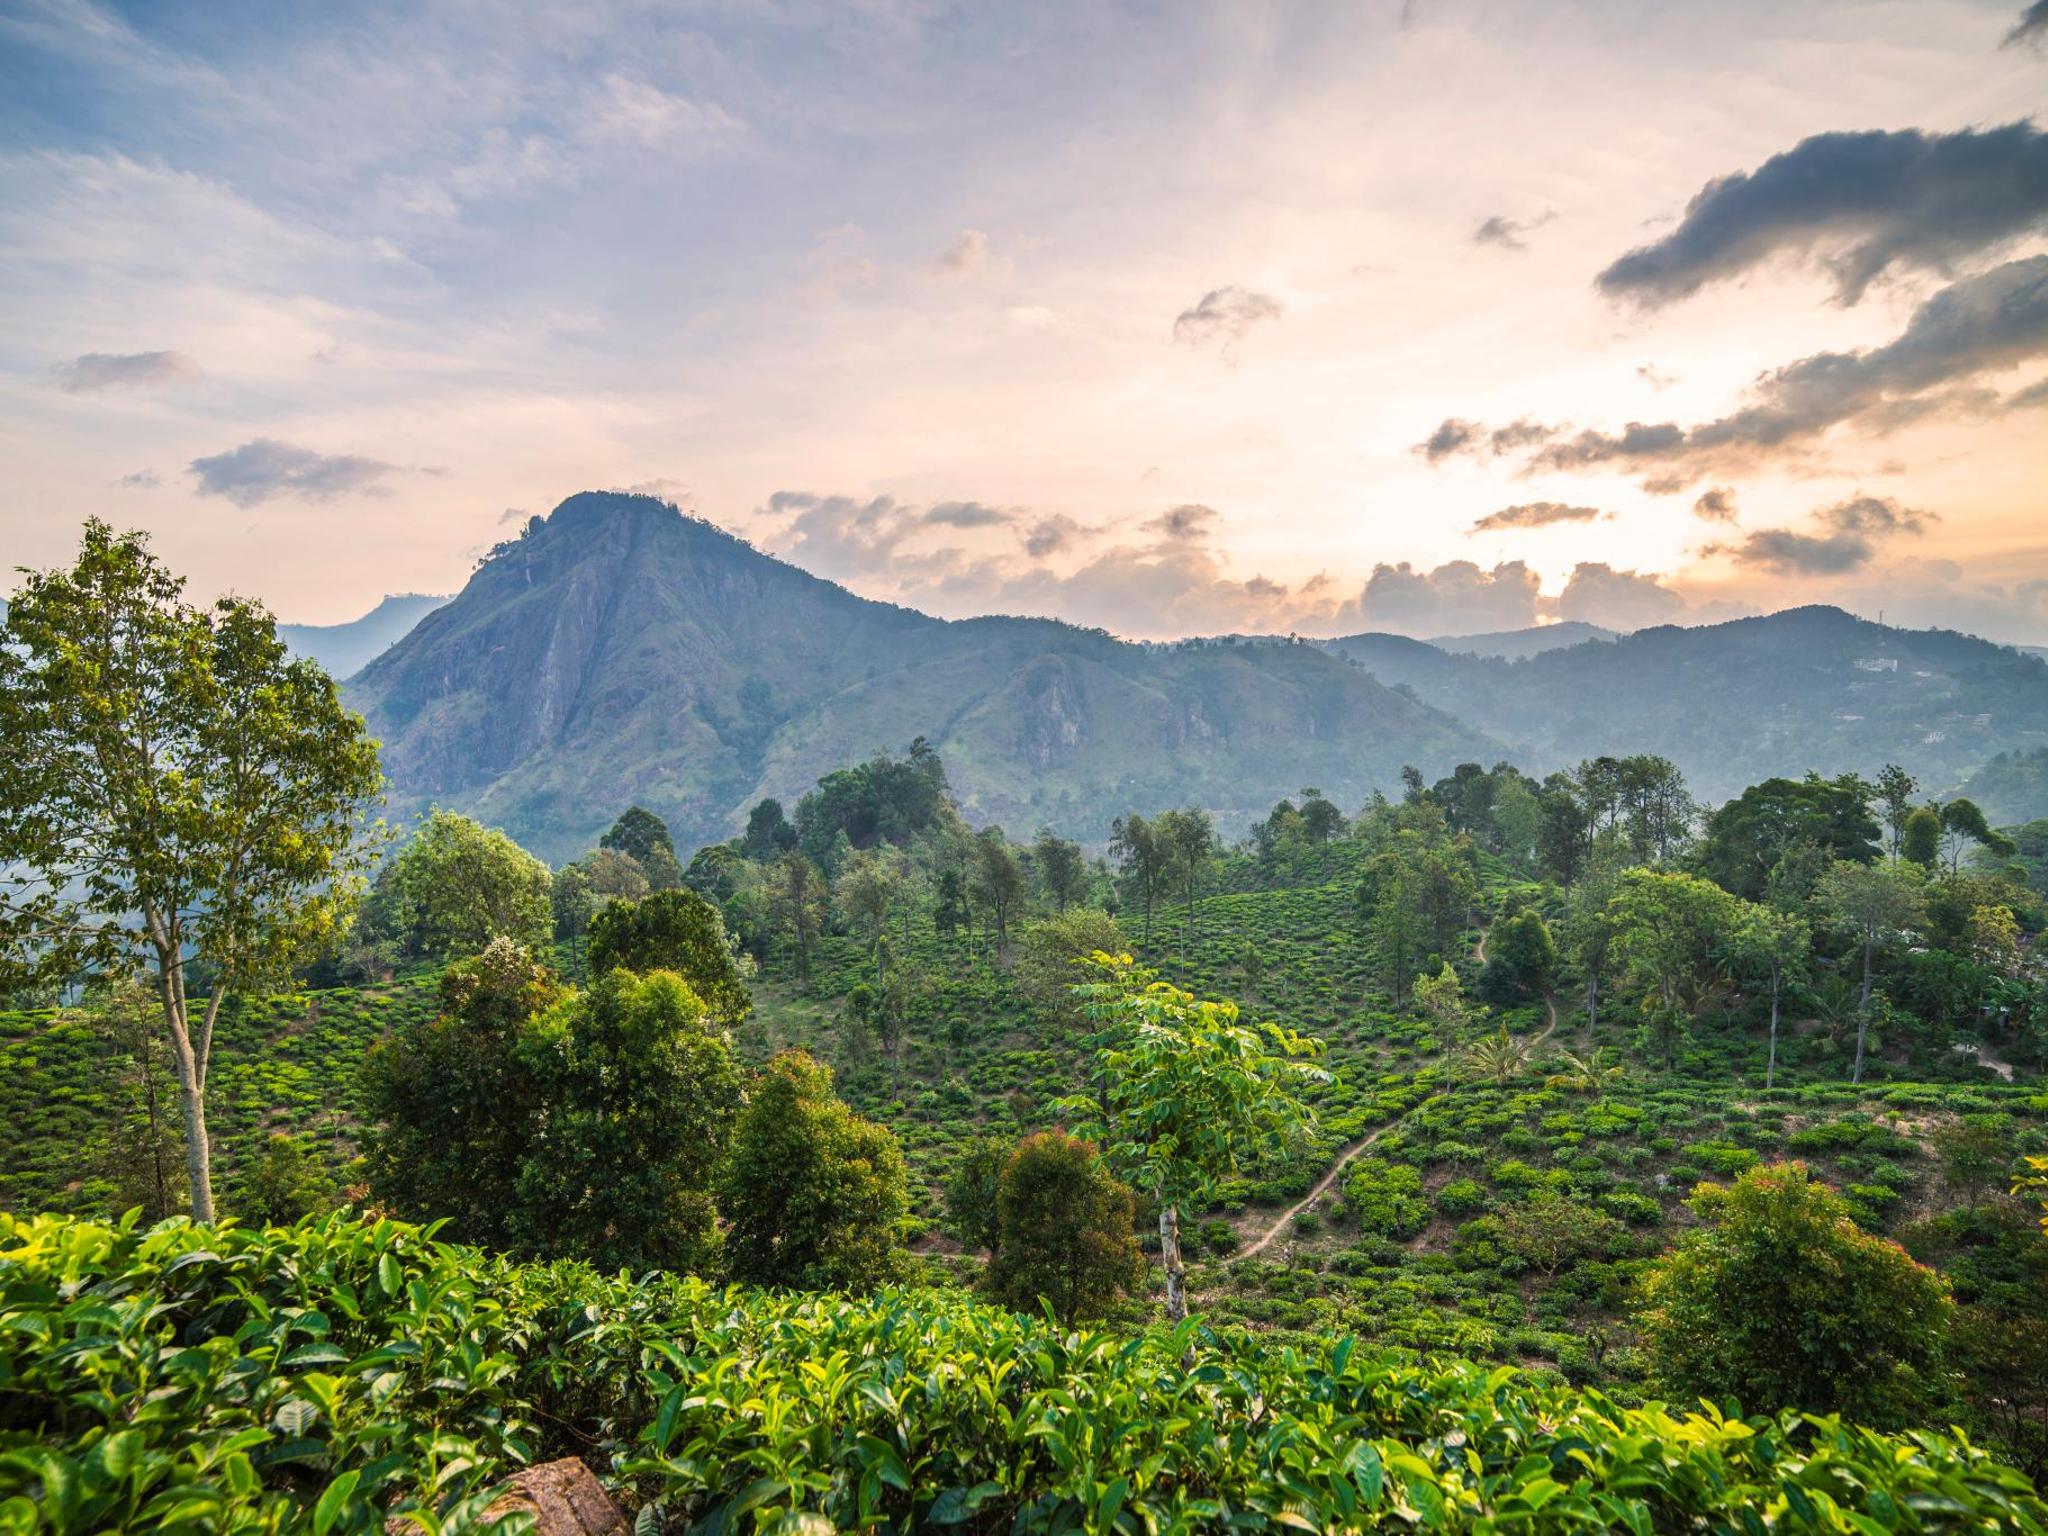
1514	644
620	652
2012	788
344	649
1733	703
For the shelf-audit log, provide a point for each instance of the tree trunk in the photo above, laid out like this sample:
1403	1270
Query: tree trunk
1862	1016
1771	1068
1592	1004
198	1150
1169	1256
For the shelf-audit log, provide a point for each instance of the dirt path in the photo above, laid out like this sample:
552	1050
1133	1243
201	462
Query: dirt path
1350	1152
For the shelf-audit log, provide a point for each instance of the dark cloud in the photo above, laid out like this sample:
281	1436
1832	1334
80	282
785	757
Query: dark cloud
967	514
2035	394
1535	514
1053	533
1596	593
1860	202
1499	230
1184	524
121	370
2031	28
264	468
1226	314
1716	504
1993	321
1846	537
1460	598
1456	435
141	480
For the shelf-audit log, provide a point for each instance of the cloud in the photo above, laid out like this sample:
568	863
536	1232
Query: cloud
1454	435
93	371
265	468
1536	514
1861	203
1994	321
967	254
1499	230
1654	376
1225	314
2031	28
141	480
1458	598
1184	524
1848	536
1596	593
967	514
1716	504
1053	534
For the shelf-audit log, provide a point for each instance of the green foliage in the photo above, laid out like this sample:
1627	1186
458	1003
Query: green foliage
1065	1229
673	930
643	836
812	1192
1781	1300
1748	837
1521	960
1548	1230
456	885
285	1184
1386	1198
973	1191
637	1095
175	793
344	1373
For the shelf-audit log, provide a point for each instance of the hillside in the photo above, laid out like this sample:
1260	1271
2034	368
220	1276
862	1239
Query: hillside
622	653
1809	688
345	649
1513	644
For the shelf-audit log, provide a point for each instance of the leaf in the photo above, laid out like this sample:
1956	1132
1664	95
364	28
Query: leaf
294	1417
117	1455
333	1501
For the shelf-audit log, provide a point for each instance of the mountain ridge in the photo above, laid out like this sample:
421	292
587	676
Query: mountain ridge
621	652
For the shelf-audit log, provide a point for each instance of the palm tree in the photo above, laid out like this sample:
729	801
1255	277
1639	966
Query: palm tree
1498	1056
1581	1074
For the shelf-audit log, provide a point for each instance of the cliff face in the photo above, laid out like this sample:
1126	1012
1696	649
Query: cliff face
621	652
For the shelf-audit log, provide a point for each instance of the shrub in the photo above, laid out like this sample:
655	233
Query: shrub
1386	1198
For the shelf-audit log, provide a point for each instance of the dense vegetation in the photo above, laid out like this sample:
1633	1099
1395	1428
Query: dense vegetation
344	1373
1646	1099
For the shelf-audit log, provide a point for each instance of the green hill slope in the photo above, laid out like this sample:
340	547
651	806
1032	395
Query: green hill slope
620	653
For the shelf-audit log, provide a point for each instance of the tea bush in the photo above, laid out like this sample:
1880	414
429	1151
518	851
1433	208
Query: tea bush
336	1375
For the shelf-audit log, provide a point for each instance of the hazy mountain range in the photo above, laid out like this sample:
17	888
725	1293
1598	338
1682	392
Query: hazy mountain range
621	652
344	649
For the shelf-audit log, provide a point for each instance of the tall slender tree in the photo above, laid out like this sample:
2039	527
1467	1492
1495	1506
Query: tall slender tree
177	796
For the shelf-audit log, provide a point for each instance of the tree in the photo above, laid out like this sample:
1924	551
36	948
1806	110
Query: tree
176	793
1065	1231
1498	1056
145	1149
1144	858
675	930
769	834
1521	959
1873	902
283	1184
1963	825
1188	1095
1441	1000
1320	818
1976	1153
1920	839
796	904
1051	952
1782	1301
457	885
972	1191
1747	837
869	884
1773	944
450	1104
643	835
1548	1230
812	1193
1061	868
638	1092
997	882
1895	789
1584	1074
1671	933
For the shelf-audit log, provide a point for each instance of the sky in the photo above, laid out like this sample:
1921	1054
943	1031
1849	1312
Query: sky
1433	316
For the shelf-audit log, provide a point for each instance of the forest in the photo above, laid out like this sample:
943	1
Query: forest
1500	1153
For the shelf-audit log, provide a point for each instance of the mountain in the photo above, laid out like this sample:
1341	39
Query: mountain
620	652
343	649
2012	787
1514	644
1809	688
